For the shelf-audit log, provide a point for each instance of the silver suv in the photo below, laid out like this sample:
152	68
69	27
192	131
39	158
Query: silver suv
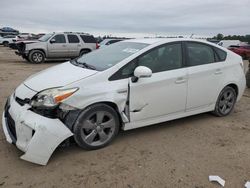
64	45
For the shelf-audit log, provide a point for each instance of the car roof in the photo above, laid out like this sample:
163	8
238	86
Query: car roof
166	40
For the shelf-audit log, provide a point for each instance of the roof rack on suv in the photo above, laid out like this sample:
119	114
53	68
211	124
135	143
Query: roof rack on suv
80	33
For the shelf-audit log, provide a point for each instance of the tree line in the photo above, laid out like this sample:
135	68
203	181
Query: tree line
241	38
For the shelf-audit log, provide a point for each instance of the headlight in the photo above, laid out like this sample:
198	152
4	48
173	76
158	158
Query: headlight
52	97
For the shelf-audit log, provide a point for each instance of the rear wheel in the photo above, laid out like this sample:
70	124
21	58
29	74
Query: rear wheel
244	56
96	127
36	56
248	78
225	102
84	52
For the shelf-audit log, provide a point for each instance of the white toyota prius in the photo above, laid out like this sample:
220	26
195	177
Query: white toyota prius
127	85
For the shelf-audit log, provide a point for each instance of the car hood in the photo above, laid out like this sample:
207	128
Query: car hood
27	41
57	76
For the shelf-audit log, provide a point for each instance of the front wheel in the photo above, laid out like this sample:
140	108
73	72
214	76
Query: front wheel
6	43
36	56
96	127
225	102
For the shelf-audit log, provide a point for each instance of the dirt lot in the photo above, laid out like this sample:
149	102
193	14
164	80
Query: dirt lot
180	153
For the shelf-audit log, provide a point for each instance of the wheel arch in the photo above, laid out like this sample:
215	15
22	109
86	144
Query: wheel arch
235	87
71	118
85	49
110	104
39	49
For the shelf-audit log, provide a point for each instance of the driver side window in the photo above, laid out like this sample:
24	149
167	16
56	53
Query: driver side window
59	38
164	58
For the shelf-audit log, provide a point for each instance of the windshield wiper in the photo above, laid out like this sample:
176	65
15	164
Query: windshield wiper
85	65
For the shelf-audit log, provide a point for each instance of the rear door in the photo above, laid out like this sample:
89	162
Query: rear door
205	74
89	42
74	45
164	93
57	47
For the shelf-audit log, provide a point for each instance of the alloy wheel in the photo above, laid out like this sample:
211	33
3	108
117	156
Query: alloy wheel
98	128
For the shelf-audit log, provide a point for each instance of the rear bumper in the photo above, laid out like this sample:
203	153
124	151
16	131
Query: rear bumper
35	135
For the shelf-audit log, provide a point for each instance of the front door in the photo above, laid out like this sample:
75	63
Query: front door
57	47
164	93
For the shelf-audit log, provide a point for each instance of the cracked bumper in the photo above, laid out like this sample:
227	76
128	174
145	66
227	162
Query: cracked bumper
35	135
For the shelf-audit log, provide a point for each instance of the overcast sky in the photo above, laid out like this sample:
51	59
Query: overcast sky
128	17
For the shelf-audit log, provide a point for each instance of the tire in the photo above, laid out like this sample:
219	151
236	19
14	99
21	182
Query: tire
96	127
6	43
225	102
244	57
82	52
36	56
248	78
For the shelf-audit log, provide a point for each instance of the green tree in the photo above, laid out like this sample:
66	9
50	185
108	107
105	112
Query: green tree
219	36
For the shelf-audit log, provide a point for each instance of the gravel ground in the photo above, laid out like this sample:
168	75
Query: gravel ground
180	153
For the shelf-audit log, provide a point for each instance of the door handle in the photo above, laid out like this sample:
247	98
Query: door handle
180	80
63	45
218	71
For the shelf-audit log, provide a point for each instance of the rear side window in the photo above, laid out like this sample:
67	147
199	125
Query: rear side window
59	38
88	39
221	54
199	54
73	39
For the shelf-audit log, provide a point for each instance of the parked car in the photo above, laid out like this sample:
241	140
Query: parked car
24	39
8	30
243	51
227	43
107	42
126	85
7	39
57	46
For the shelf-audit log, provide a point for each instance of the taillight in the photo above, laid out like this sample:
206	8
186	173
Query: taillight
97	45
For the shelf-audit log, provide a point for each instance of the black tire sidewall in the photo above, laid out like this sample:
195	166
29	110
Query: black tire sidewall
85	113
83	52
248	78
31	56
217	111
6	44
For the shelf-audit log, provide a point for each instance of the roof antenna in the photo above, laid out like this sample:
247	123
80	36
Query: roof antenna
191	36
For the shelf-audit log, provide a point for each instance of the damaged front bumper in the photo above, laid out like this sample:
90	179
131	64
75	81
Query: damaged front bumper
22	53
37	136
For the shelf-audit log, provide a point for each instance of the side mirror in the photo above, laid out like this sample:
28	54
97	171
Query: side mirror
141	72
52	41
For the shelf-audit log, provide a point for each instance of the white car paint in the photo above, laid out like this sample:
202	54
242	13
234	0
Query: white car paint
227	43
164	96
8	40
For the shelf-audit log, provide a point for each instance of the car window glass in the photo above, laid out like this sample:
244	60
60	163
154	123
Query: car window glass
199	54
88	38
221	54
105	58
59	38
73	39
165	58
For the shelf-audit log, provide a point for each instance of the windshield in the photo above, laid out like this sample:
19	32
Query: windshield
104	42
105	58
46	37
